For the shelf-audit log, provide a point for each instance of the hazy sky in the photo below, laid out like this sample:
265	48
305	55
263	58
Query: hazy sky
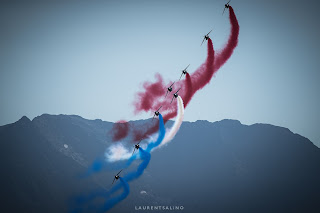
90	58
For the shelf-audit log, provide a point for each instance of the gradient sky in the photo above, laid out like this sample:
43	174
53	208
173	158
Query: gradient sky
90	58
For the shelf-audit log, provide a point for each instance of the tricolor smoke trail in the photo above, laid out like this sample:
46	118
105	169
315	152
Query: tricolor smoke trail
118	151
145	156
150	99
152	96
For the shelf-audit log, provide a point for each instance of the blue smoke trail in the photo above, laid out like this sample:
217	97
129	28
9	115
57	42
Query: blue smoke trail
95	167
113	201
151	146
110	203
162	132
145	156
99	164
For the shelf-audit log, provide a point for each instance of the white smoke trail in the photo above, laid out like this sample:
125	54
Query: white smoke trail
176	126
119	152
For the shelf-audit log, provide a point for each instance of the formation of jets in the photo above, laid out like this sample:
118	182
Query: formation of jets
184	71
169	90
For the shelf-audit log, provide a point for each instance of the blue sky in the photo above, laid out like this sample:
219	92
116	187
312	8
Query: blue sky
90	58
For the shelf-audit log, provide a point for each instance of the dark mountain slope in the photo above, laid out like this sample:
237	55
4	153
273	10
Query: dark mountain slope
35	177
229	167
209	167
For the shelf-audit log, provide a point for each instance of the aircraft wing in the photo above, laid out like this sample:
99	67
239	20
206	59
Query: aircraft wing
180	76
172	99
139	141
133	150
120	171
202	41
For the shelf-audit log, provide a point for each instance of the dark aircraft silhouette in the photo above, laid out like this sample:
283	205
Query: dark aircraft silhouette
136	147
226	6
156	113
184	72
175	95
169	89
116	177
205	37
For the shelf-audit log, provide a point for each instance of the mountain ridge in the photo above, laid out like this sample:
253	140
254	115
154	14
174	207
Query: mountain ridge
222	166
25	118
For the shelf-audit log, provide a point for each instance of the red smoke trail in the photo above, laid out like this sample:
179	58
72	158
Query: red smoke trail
189	86
227	51
152	92
141	133
153	95
204	73
188	95
199	79
119	130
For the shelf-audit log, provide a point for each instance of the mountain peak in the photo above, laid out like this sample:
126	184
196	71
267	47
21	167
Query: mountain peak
24	119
